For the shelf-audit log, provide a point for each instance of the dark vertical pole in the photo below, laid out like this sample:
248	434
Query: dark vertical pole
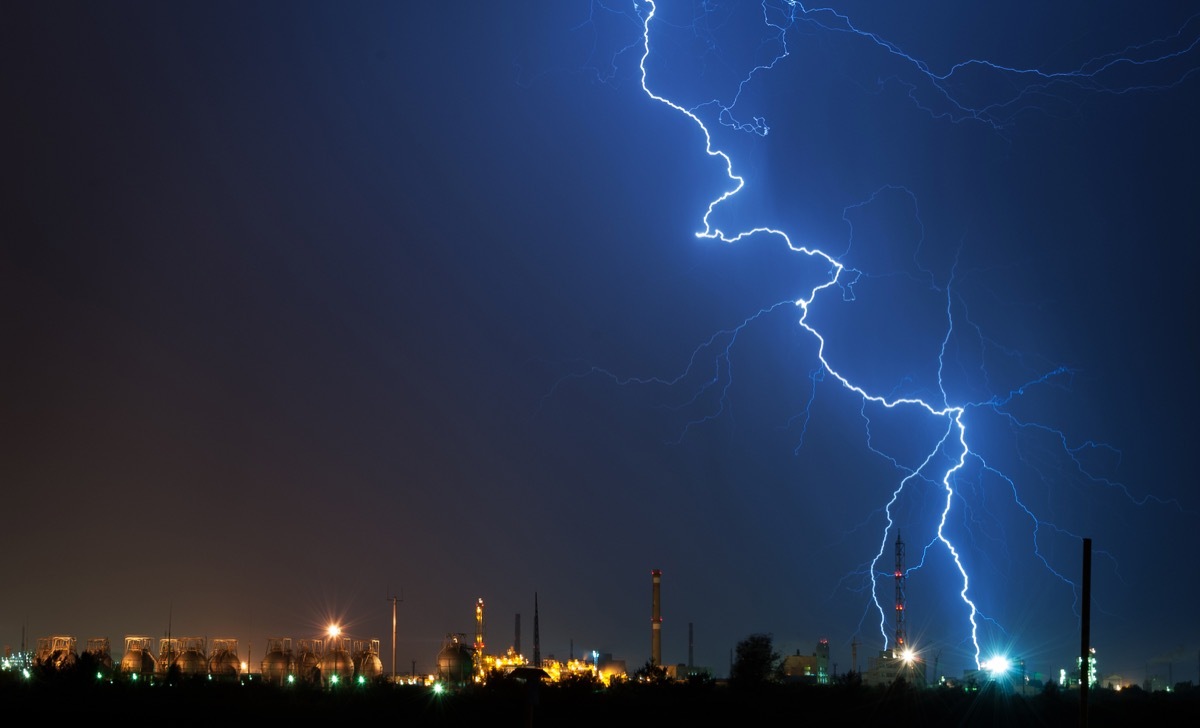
689	644
1085	633
537	644
656	618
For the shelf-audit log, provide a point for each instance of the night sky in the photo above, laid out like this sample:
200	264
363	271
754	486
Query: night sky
306	305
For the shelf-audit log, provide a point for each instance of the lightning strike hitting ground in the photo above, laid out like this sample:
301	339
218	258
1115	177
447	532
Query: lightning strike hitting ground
1149	66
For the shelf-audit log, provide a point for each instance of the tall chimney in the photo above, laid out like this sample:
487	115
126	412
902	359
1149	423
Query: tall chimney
656	619
537	645
517	639
689	644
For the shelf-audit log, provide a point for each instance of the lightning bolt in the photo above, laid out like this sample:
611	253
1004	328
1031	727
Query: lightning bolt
950	463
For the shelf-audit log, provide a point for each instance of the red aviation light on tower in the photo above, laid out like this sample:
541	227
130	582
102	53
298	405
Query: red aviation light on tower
656	618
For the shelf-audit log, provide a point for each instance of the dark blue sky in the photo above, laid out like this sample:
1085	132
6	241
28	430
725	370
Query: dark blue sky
309	303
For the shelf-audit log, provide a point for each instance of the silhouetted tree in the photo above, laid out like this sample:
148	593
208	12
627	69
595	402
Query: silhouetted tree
579	683
756	662
651	672
850	679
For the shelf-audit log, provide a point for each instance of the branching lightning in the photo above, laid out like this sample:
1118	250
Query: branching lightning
1153	65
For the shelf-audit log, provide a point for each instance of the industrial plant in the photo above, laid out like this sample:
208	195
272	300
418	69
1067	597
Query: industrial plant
325	660
334	658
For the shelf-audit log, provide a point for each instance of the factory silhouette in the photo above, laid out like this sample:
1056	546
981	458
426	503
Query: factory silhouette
334	658
342	678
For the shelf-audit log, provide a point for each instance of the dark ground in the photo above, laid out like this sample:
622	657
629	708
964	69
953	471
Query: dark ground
510	703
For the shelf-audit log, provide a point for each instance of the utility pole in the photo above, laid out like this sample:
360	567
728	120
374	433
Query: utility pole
394	599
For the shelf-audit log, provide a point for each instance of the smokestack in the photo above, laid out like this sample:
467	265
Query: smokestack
517	639
689	644
656	619
537	645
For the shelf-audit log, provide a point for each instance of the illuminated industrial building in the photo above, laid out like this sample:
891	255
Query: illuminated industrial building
1072	679
813	669
460	663
688	671
57	651
17	661
335	658
343	659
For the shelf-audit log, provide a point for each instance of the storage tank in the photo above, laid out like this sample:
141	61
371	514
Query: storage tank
279	662
191	660
308	662
456	661
98	649
168	650
367	663
224	661
337	664
138	658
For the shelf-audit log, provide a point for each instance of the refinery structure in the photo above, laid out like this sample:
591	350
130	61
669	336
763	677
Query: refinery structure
327	661
334	658
462	663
